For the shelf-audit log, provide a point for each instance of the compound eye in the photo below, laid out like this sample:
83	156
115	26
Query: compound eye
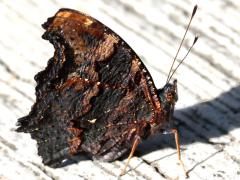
169	97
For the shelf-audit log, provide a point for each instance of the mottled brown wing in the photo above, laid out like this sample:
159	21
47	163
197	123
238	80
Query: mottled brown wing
95	94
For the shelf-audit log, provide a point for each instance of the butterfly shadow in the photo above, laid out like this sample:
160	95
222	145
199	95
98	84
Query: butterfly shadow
202	123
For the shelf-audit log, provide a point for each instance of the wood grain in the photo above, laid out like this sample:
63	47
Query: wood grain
208	110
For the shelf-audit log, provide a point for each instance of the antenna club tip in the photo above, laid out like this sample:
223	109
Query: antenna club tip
194	10
195	39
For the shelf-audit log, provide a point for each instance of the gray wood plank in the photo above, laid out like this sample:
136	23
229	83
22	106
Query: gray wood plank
208	111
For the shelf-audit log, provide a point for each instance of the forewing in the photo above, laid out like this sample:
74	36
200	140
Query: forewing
94	94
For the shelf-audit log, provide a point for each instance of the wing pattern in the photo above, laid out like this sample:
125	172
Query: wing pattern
95	94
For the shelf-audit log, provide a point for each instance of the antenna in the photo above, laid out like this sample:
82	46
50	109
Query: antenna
174	60
195	40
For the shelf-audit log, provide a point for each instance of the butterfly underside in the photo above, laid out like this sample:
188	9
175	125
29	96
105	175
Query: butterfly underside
95	95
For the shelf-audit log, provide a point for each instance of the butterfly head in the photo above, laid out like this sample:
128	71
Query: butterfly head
168	96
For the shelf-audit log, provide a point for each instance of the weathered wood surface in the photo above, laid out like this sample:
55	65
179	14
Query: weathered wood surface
208	111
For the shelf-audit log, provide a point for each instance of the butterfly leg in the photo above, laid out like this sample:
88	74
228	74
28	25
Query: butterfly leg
176	134
135	144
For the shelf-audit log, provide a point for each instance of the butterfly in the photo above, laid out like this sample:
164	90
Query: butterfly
95	96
